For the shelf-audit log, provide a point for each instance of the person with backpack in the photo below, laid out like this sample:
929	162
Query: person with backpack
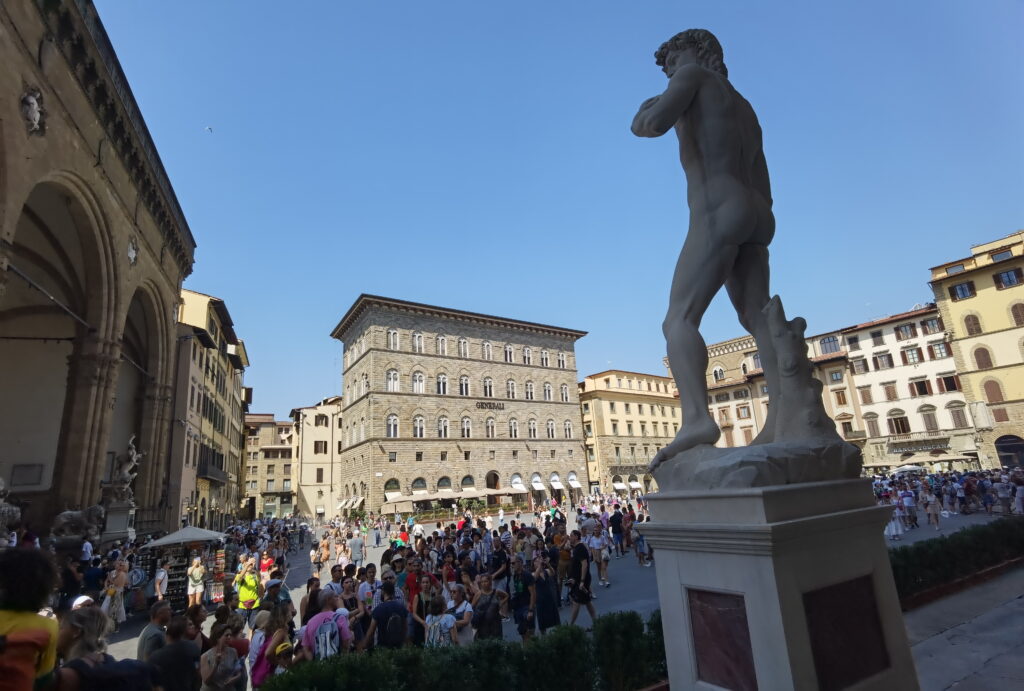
328	633
81	643
487	604
439	625
388	620
275	634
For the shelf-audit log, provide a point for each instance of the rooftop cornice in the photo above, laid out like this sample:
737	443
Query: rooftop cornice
365	301
78	34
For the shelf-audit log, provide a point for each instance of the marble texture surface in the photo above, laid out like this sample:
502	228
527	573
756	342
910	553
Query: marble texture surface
847	642
721	640
774	463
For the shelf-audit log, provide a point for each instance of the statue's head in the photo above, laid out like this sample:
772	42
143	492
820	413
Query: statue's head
707	49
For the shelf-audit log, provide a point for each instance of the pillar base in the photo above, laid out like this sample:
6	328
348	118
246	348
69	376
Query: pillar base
120	523
776	588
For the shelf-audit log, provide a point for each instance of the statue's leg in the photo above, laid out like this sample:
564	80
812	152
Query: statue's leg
748	289
700	272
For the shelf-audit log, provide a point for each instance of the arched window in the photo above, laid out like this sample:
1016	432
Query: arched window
463	347
463	385
983	358
510	389
442	428
1017	312
488	387
829	344
531	429
489	428
392	339
392	380
418	426
417	342
485	349
392	486
468	481
551	429
543	358
513	429
419	484
547	391
444	483
567	428
467	428
561	360
442	384
509	354
564	389
528	390
366	383
417	382
442	345
362	428
392	426
993	391
743	367
718	374
527	356
972	325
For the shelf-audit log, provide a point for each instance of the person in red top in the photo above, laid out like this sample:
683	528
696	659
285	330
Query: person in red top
265	565
404	537
412	579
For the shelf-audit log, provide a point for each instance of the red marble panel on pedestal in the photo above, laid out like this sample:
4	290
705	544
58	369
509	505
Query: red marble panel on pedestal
721	640
846	633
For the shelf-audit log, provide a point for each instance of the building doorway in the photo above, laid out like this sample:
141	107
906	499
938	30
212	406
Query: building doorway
1010	449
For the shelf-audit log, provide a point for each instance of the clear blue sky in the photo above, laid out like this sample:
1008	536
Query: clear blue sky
477	155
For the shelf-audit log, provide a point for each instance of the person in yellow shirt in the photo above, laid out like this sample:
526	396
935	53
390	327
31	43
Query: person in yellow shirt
249	587
27	581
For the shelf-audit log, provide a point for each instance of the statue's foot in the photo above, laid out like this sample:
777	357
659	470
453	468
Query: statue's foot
703	431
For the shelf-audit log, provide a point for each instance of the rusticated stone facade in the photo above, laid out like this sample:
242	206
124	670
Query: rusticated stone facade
436	398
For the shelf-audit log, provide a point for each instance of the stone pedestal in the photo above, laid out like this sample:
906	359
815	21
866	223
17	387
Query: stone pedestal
120	523
777	588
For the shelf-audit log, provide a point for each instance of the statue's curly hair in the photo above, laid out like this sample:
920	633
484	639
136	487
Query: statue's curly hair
709	50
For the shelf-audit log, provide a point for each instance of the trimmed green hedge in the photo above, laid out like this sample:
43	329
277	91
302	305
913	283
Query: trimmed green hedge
942	560
620	656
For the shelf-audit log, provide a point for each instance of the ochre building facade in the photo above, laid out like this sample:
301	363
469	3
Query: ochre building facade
981	301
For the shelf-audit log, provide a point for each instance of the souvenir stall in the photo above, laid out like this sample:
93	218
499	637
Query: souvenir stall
179	549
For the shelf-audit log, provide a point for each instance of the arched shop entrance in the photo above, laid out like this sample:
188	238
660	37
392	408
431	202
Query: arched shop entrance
1010	449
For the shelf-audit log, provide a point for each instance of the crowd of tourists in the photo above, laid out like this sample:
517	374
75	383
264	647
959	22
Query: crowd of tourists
434	587
918	498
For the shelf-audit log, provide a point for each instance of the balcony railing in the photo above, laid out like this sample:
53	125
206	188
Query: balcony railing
855	434
211	472
919	436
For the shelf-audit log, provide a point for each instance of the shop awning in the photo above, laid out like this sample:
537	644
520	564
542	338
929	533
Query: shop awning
185	536
391	496
320	509
555	484
574	484
635	485
342	504
356	501
514	489
618	485
538	485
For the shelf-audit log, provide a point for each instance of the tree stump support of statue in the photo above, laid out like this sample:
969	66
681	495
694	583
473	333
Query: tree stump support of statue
773	572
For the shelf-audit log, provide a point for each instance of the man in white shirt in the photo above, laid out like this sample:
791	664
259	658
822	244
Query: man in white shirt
86	557
160	581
